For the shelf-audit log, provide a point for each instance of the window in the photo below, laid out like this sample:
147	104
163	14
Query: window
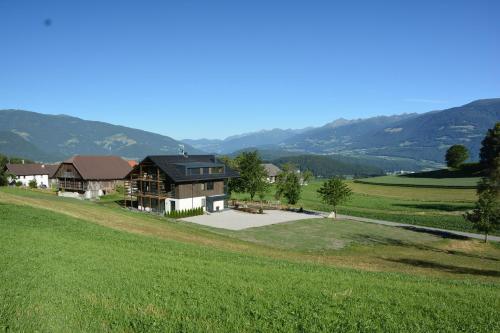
217	170
202	186
194	171
210	186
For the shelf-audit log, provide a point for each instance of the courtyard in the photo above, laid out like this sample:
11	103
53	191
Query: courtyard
235	220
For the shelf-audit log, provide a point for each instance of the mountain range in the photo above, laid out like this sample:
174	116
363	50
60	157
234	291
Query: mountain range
407	141
52	138
420	137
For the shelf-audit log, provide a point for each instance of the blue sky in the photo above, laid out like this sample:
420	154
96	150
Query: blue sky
192	69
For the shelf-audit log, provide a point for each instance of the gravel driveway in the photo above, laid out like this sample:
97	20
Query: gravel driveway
236	220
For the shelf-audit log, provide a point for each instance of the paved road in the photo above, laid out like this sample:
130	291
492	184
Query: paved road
443	232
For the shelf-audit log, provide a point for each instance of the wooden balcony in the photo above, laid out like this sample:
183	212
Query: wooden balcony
74	185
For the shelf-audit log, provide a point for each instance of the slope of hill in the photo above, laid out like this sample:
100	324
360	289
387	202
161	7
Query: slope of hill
387	164
13	144
420	137
52	138
415	139
325	166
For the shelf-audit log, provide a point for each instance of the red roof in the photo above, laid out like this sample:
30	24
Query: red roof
100	167
132	163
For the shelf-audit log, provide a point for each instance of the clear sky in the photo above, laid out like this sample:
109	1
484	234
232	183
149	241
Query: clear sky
192	69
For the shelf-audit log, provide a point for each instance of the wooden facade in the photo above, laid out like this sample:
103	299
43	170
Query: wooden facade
147	186
69	179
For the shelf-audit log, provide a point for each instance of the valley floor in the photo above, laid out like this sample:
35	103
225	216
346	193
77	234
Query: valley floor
71	265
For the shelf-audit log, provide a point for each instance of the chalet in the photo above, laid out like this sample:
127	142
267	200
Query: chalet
88	177
24	173
272	172
166	183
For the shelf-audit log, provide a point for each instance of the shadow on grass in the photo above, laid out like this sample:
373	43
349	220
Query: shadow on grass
372	239
446	268
466	170
439	233
436	206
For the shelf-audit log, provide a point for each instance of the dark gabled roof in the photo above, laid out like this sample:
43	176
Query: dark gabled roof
174	166
100	167
32	169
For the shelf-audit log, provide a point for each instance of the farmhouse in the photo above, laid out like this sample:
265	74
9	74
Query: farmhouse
88	177
272	172
43	174
166	183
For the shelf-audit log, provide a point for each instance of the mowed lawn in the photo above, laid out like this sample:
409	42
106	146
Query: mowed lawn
433	207
69	265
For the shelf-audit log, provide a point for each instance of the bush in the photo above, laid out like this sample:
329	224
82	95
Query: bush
178	214
120	189
33	183
19	183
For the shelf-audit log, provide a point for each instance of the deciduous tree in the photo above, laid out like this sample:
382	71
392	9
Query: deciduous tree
252	174
334	192
456	155
288	184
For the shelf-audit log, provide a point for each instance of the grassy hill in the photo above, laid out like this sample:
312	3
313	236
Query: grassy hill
80	266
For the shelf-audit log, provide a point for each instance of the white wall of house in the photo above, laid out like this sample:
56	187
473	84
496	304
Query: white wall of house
187	203
40	179
219	204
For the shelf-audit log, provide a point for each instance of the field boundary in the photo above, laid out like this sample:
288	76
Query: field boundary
465	187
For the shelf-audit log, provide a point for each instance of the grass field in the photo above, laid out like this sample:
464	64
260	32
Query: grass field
433	207
468	182
69	265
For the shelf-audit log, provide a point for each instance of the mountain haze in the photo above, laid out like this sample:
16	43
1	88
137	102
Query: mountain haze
253	139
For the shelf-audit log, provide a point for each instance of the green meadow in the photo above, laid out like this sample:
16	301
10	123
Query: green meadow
433	207
464	182
70	265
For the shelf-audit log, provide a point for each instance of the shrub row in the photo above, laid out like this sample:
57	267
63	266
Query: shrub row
177	214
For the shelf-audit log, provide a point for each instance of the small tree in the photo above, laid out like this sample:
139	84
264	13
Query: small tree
252	174
33	183
334	192
307	176
288	184
456	155
486	215
490	149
